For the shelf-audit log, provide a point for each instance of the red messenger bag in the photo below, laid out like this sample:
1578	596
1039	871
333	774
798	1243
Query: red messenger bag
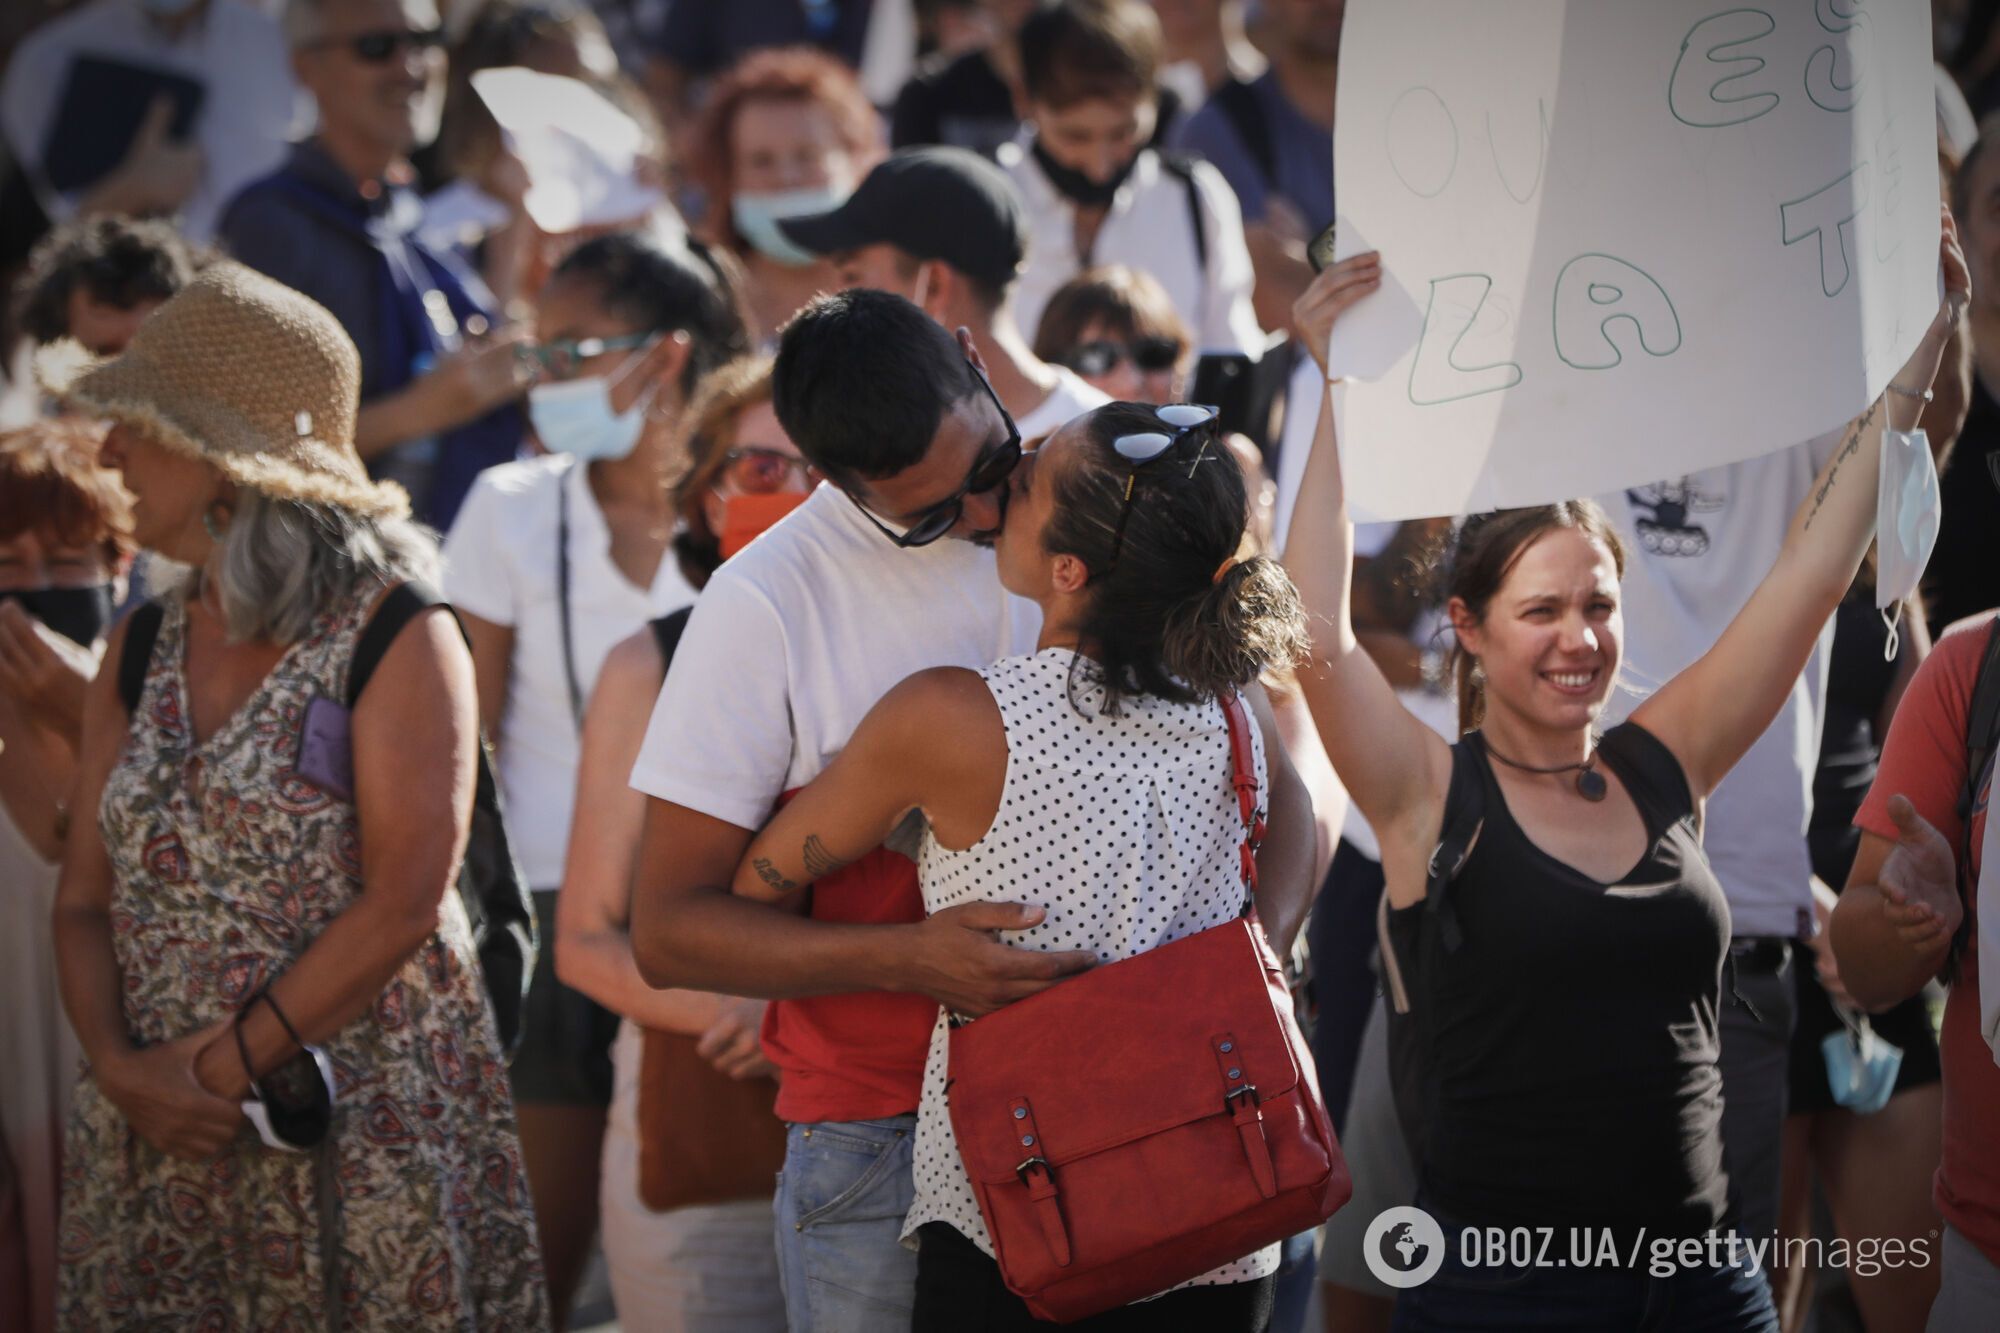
1150	1120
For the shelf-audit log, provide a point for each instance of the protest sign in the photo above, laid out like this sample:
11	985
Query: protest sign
1623	241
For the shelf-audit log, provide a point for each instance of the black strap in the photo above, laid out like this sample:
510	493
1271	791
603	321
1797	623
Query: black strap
1237	101
1183	168
562	598
1464	815
667	631
397	609
142	631
1982	734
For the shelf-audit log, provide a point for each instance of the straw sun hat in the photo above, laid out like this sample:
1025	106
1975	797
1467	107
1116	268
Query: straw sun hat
242	373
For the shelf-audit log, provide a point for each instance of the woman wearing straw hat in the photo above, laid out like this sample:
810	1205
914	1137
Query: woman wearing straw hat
226	911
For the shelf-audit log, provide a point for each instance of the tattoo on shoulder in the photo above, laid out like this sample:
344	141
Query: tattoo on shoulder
769	874
819	861
1848	448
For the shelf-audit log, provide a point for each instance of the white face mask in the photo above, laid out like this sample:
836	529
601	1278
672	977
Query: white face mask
757	217
1908	508
575	416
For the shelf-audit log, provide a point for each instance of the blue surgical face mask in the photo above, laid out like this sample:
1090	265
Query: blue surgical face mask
1907	510
1861	1068
756	217
575	416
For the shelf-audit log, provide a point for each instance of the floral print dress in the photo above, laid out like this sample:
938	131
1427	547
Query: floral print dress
227	865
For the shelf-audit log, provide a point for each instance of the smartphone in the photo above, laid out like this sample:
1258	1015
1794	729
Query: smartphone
1319	252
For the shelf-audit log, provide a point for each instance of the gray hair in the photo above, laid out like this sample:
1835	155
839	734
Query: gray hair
282	564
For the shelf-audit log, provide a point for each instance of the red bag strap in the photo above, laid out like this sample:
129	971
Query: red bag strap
1243	777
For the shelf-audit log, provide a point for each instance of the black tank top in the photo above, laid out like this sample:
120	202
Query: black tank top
1570	1070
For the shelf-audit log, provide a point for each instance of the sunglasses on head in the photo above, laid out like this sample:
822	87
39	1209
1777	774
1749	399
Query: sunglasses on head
757	470
384	44
292	1106
989	473
1144	447
1102	356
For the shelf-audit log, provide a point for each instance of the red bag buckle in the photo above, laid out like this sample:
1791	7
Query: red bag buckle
1039	1178
1239	1096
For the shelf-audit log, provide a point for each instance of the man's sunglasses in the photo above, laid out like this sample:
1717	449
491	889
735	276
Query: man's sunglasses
385	44
989	473
1102	356
757	470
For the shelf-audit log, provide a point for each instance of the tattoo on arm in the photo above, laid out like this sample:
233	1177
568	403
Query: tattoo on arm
1848	448
771	876
819	861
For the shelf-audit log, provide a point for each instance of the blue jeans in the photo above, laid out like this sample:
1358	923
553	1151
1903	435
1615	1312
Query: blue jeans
1725	1299
842	1198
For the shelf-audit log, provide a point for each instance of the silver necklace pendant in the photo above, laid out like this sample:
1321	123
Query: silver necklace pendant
1590	784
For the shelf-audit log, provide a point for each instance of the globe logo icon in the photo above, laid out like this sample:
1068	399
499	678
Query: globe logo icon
1403	1247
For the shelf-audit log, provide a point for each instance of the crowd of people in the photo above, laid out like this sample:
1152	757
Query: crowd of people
587	585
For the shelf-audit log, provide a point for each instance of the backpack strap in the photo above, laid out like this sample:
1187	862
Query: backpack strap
667	631
1237	101
1182	168
396	609
142	631
1464	816
1982	735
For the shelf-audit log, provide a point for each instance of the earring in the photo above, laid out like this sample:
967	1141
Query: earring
1478	672
214	529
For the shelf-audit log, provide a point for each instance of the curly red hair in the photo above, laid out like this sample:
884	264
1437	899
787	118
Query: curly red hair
779	74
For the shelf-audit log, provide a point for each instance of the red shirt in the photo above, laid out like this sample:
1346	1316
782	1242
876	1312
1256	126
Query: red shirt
1925	759
858	1056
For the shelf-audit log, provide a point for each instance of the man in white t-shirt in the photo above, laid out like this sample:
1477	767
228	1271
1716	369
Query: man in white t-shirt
944	227
1696	547
789	646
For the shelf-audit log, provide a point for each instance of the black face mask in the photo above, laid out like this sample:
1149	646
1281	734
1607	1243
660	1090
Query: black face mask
78	614
1076	187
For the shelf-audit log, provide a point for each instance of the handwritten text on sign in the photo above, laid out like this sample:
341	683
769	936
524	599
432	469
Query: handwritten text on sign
1623	241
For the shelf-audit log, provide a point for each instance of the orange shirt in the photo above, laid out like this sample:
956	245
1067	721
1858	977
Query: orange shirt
1924	758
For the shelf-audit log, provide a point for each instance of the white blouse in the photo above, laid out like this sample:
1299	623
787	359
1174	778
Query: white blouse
1125	828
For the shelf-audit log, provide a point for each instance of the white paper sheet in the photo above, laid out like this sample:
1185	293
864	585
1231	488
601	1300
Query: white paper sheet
1623	241
580	151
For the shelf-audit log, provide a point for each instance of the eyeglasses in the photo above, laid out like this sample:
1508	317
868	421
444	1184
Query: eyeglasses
989	473
292	1106
1102	356
757	470
560	358
385	44
1145	446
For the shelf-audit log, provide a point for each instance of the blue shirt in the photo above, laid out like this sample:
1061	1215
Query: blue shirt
1301	153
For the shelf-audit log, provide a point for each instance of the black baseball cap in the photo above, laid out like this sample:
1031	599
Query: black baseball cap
939	203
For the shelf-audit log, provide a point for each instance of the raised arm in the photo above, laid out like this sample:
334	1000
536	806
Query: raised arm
1712	713
1393	766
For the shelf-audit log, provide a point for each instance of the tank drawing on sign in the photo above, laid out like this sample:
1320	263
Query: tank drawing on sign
1662	514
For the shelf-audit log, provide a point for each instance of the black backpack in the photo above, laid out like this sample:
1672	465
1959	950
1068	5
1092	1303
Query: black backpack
1982	735
489	881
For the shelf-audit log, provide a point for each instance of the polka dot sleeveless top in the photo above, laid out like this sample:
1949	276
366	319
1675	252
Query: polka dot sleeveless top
1124	827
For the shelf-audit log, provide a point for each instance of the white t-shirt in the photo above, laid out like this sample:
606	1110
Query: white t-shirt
1148	226
1070	399
250	109
797	637
500	565
1696	549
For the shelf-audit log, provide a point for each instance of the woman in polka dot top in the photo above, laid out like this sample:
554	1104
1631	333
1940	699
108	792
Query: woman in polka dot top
1089	780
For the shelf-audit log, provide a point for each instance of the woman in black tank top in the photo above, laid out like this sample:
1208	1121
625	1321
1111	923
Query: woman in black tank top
1554	939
